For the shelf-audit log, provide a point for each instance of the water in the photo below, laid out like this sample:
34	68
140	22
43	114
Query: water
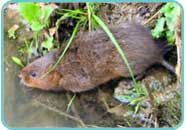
21	105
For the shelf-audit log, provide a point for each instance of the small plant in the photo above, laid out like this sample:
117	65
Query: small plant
135	96
48	43
38	19
165	25
35	16
12	31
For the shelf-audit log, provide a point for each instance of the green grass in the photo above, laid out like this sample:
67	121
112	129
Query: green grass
134	97
70	103
116	44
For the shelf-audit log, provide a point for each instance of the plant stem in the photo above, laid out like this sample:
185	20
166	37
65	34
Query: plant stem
89	16
70	103
36	40
68	44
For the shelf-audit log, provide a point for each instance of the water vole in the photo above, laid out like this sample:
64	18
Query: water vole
93	60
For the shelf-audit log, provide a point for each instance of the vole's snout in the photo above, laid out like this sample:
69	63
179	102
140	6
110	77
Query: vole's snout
20	76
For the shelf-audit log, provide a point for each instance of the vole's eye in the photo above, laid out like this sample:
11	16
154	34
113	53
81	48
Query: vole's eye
33	74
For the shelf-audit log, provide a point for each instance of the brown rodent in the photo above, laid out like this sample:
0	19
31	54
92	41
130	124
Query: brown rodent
93	60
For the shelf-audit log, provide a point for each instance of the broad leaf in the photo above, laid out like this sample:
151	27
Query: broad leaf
47	12
159	28
30	12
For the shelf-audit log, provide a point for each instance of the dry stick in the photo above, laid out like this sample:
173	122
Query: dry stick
62	113
156	122
178	45
151	18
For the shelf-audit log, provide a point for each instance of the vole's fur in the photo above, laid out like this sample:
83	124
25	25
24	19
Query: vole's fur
93	60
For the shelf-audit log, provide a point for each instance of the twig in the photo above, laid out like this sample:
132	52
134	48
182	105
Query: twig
62	113
156	125
151	18
178	45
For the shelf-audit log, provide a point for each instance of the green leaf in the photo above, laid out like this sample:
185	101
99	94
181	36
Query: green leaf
36	26
137	107
170	12
170	37
17	61
157	101
48	44
170	24
11	34
157	32
47	12
12	31
170	15
30	12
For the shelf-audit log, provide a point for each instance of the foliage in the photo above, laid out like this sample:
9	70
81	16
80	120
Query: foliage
48	43
135	96
38	19
12	31
165	25
34	15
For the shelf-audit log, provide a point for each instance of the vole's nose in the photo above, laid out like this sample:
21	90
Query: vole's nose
20	76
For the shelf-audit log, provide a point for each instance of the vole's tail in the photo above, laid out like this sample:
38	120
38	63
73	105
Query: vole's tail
165	48
168	66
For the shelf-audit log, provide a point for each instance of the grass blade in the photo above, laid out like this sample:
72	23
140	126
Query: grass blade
115	43
65	50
